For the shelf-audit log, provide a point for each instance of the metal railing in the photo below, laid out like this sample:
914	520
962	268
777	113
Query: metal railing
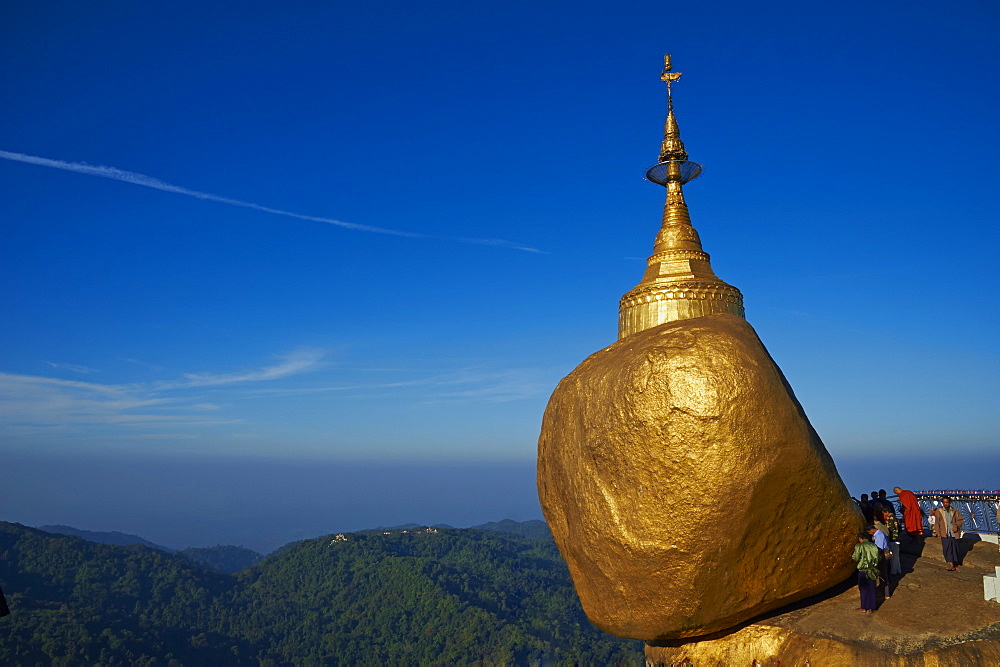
978	508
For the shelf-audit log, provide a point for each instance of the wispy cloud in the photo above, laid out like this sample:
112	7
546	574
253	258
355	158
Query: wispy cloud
495	386
135	178
43	402
206	405
28	399
296	361
76	368
464	384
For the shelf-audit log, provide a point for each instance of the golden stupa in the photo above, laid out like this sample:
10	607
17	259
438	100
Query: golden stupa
679	475
679	282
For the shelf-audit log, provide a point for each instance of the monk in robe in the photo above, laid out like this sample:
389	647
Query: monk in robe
913	516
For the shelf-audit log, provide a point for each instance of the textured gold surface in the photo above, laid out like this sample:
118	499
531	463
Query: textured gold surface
679	282
684	485
768	645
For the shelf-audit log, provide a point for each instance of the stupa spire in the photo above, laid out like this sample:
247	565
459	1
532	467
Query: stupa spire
672	147
679	282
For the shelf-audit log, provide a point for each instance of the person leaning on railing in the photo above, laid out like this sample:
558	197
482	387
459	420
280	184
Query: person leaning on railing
881	503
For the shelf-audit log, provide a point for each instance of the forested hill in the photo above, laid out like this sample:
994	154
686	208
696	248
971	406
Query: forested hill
534	528
73	602
222	558
104	537
454	596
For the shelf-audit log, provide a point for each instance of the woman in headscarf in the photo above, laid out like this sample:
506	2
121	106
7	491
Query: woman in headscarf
866	556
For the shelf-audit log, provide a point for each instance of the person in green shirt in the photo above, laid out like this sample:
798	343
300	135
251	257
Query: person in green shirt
866	556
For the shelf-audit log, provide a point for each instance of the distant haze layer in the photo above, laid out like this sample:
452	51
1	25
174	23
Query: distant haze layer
264	503
261	504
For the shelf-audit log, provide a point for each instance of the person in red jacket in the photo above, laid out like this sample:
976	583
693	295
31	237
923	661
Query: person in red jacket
913	516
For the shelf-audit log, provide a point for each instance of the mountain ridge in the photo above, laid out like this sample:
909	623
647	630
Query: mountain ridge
104	537
407	597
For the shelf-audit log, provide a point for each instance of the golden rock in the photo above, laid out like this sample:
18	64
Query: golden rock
684	485
680	477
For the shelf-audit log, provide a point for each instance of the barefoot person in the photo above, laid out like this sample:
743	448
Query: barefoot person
866	556
948	526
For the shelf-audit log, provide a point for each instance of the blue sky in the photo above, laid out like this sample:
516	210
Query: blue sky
361	233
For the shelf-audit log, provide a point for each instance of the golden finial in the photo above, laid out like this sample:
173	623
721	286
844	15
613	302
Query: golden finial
672	146
668	75
679	282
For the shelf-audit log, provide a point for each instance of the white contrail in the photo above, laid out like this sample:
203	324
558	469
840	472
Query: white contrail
500	243
150	182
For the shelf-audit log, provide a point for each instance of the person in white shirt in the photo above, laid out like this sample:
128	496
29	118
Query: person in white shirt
882	542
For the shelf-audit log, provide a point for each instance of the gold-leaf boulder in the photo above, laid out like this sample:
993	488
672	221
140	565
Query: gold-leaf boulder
684	485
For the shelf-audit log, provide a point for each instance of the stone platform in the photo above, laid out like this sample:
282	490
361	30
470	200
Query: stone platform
934	617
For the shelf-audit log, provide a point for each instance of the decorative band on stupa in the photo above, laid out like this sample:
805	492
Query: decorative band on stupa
679	283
